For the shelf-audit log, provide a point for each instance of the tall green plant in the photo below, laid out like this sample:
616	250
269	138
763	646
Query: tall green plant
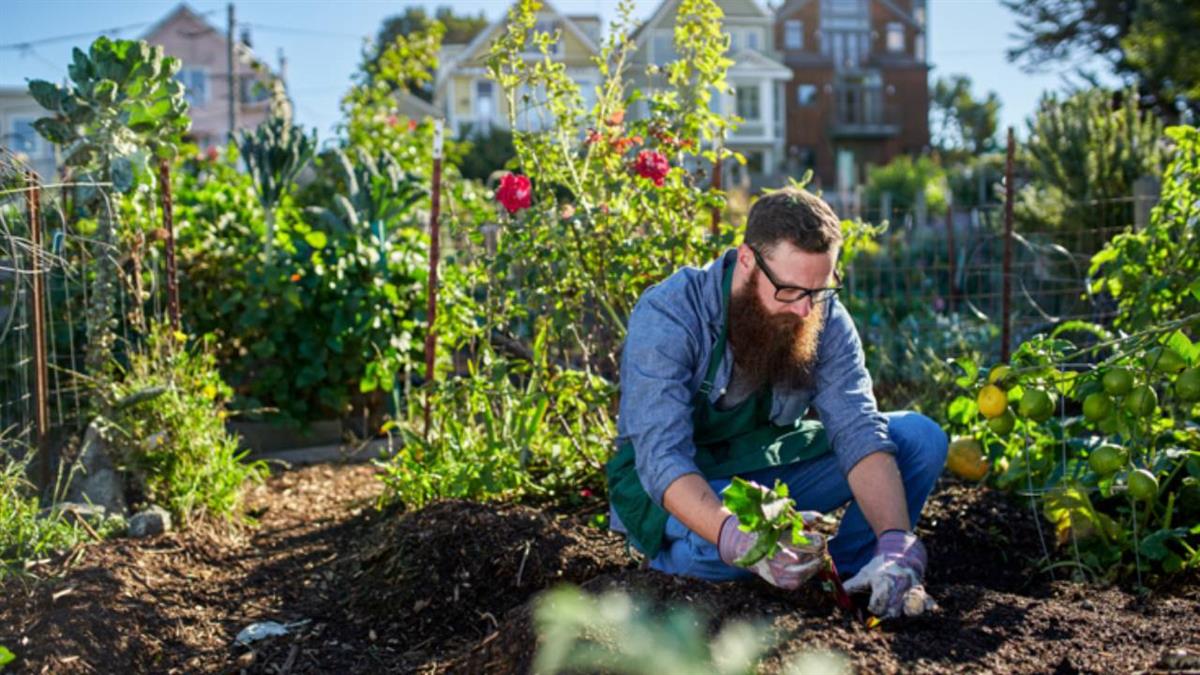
274	154
120	108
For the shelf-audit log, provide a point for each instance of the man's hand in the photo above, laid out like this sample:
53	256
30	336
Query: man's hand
789	568
895	577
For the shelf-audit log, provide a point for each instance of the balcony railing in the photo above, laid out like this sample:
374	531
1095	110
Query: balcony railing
862	110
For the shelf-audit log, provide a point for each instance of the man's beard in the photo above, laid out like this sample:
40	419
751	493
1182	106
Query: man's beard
780	349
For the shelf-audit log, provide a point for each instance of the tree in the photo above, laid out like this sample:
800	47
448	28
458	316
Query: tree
1083	155
963	124
1153	44
459	29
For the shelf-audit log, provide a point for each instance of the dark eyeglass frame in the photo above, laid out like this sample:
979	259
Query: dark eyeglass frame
819	295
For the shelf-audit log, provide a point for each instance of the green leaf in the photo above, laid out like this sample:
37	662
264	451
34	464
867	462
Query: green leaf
1181	344
316	239
1155	545
962	410
105	92
47	94
6	656
54	130
970	372
1195	289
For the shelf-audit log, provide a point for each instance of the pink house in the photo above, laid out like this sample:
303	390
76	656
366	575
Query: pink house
203	49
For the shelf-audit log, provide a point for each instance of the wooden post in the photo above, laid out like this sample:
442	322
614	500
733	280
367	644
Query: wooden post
168	216
1006	270
434	253
231	69
952	259
41	376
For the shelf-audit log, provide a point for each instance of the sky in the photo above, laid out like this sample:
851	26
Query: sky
323	41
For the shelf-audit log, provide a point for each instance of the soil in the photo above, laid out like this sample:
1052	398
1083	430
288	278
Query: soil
449	588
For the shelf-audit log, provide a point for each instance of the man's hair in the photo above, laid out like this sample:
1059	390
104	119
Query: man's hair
796	216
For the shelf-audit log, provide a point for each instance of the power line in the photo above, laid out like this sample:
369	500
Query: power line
75	36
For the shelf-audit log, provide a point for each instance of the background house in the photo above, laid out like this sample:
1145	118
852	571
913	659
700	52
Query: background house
18	112
204	51
757	77
860	92
473	102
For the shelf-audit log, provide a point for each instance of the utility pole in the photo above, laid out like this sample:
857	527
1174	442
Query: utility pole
230	71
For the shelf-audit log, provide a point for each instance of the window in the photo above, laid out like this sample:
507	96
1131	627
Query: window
484	101
752	39
733	41
806	94
895	37
24	138
254	90
664	47
747	102
195	85
793	34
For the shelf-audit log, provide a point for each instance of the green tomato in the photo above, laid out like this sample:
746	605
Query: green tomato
1187	385
1118	381
1141	401
1003	425
1037	405
1097	406
1143	485
1107	459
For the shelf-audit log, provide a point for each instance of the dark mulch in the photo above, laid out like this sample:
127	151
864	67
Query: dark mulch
448	589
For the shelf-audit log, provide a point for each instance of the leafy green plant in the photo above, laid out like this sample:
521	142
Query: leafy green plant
274	154
120	108
906	181
24	533
168	432
769	514
6	657
1104	424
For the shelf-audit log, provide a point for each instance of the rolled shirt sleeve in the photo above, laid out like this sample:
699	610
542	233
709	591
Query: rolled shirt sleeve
844	400
658	365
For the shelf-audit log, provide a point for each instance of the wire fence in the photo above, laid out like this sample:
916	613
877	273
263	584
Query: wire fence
48	263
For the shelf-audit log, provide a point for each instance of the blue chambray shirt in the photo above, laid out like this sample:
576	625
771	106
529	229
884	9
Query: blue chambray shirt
672	333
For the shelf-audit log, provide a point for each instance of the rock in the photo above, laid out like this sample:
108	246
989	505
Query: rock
152	521
94	514
94	479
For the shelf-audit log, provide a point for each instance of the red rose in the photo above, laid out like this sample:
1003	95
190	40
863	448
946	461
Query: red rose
653	165
412	125
593	136
514	192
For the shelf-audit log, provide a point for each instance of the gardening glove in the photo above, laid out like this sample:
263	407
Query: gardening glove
895	577
790	567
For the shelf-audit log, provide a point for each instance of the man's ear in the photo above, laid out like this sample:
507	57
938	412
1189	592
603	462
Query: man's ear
745	257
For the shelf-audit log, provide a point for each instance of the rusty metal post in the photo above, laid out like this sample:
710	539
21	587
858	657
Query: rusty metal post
952	260
1006	270
716	184
168	217
434	253
41	372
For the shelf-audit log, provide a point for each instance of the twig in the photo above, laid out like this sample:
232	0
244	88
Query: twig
521	569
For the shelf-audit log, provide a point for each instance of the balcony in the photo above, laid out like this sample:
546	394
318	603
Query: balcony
862	111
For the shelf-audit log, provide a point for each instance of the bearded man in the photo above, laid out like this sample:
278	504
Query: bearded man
719	368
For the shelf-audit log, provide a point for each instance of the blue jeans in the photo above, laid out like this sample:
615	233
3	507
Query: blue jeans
818	485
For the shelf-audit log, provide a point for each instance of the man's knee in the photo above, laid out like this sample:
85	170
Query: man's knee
922	444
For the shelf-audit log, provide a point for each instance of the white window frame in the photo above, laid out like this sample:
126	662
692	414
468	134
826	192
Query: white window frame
895	37
476	98
793	34
206	96
755	36
737	102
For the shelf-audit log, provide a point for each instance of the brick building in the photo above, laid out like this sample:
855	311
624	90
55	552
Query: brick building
859	94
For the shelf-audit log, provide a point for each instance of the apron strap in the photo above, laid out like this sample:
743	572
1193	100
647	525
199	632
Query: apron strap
718	353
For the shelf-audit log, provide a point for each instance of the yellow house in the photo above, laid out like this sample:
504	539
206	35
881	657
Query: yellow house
473	103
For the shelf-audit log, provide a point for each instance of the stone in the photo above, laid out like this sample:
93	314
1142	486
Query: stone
94	479
152	521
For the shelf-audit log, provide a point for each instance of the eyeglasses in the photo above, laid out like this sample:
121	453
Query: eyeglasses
790	294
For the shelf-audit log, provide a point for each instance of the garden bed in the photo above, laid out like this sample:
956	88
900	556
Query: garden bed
446	589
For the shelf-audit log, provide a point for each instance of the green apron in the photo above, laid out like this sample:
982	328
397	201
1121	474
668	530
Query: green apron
729	442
